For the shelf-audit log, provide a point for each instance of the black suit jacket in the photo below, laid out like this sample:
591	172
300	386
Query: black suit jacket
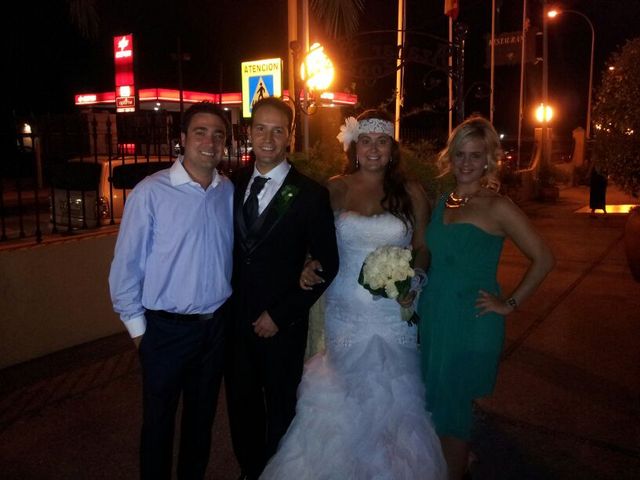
269	258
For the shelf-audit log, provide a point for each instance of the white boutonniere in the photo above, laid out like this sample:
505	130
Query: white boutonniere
285	197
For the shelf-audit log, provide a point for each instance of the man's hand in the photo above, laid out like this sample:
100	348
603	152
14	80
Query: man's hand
264	326
137	341
309	277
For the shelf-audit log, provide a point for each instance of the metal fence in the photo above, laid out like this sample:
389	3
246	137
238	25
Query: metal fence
71	173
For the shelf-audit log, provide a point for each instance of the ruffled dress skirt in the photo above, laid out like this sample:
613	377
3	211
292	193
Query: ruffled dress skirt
361	403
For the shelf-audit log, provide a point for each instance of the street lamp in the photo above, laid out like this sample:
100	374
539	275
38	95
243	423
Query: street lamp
317	71
554	13
544	114
316	75
546	188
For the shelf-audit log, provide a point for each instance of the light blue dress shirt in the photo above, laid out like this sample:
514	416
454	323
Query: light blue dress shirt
174	249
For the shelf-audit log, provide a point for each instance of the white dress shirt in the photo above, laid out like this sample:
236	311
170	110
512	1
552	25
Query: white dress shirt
276	178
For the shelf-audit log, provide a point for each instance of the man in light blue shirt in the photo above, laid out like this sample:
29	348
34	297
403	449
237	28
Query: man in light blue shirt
169	278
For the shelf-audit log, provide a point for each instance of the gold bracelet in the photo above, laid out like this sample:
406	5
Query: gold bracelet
512	302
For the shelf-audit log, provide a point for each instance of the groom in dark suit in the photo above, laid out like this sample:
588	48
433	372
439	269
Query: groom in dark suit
281	216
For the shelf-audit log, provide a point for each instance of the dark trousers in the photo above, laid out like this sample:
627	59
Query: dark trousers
179	357
261	382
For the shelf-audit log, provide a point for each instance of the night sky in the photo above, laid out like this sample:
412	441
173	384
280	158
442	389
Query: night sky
50	61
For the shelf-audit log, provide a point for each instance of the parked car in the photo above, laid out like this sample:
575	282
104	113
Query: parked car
89	194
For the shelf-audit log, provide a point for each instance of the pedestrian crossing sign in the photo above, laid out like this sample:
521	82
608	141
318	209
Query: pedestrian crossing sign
260	79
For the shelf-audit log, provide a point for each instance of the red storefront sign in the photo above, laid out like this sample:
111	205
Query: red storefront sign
126	104
124	78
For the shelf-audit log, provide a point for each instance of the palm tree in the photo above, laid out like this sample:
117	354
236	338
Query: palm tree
84	16
338	16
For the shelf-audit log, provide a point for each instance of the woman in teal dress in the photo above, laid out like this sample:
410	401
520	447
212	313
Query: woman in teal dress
462	309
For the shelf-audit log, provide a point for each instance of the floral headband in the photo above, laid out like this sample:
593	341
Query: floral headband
352	129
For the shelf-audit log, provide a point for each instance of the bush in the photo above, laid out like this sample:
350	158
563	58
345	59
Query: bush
419	160
326	160
616	117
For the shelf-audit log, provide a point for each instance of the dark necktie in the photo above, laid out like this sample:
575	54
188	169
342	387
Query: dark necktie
250	208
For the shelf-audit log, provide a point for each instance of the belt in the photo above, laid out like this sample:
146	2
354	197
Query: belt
183	317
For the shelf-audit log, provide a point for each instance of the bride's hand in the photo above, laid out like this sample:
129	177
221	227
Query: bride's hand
407	300
309	277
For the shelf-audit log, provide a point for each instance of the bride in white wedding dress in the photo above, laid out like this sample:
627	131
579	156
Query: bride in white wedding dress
361	403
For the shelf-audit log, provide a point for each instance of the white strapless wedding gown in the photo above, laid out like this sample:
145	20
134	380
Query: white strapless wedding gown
361	404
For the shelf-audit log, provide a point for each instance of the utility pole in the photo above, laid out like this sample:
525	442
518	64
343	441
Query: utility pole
292	11
523	62
305	45
180	85
180	57
402	21
545	158
493	58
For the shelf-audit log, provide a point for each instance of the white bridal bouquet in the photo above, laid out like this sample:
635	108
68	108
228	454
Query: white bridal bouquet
388	272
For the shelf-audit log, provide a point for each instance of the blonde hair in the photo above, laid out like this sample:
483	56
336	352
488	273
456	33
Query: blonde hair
473	128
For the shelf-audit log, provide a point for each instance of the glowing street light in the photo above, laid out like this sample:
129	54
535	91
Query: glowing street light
316	73
543	113
317	69
553	13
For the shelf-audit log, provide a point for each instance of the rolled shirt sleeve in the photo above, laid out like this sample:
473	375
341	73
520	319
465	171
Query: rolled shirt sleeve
174	248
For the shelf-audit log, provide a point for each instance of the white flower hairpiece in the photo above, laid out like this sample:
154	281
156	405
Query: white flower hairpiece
349	132
352	129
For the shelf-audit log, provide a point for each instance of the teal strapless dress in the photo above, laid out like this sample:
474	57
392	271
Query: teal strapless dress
460	352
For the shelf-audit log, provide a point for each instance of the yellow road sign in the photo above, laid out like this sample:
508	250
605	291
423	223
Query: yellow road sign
260	78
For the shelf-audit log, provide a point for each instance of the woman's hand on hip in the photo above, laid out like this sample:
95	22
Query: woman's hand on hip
487	303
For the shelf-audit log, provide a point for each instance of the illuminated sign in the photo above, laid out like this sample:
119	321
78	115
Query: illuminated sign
339	98
260	78
126	104
153	95
124	78
95	98
124	47
86	99
508	48
125	90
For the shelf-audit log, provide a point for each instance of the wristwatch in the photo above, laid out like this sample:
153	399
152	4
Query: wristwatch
512	302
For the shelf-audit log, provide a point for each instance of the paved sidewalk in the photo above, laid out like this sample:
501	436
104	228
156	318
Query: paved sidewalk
566	405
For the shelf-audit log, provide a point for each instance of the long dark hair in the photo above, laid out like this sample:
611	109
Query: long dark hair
396	199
